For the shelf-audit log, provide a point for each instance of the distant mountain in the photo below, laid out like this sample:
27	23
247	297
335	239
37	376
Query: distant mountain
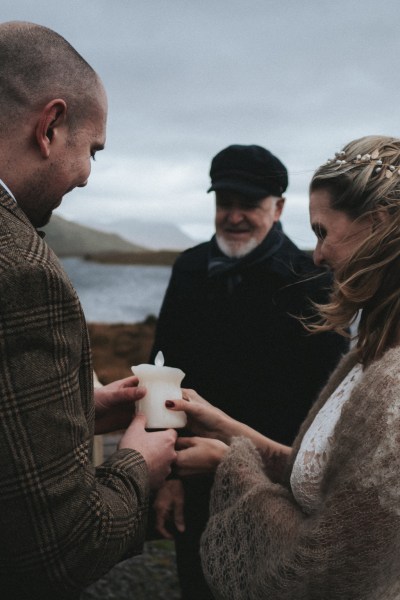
67	238
156	235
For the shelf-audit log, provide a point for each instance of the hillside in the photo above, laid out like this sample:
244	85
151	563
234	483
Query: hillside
67	238
154	235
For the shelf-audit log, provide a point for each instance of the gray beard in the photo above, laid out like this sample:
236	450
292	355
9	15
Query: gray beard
236	249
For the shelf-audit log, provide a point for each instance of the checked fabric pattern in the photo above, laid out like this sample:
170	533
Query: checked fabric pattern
63	523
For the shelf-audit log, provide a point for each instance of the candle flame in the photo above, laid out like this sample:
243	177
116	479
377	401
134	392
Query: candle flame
159	360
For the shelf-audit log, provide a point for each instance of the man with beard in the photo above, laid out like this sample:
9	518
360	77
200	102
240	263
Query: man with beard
63	522
229	321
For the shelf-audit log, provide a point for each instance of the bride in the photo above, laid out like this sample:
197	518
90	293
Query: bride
321	520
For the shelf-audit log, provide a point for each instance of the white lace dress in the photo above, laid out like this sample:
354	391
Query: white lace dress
316	446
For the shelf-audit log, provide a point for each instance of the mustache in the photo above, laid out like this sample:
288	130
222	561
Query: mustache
240	227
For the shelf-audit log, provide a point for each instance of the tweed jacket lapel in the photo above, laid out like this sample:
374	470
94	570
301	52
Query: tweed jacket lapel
11	205
14	224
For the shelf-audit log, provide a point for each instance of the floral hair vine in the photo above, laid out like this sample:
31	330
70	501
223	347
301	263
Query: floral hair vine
340	159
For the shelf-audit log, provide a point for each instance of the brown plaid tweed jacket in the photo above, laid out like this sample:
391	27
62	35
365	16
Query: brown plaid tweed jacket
63	523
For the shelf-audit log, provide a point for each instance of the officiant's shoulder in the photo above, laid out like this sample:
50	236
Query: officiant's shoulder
193	259
295	265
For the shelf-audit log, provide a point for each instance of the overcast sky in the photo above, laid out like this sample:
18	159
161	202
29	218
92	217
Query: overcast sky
186	78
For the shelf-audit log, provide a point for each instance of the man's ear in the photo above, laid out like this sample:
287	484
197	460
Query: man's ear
50	120
279	208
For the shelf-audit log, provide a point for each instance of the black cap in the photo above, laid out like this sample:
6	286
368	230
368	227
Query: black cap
250	170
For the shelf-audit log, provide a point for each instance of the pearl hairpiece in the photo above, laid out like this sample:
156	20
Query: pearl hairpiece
340	159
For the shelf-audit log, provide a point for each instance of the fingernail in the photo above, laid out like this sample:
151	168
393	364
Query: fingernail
169	404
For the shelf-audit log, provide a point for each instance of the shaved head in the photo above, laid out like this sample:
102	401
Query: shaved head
53	115
37	65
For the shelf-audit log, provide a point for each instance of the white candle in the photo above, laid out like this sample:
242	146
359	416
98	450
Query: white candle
161	383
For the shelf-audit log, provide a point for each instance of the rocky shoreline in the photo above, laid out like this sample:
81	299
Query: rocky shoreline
118	346
150	257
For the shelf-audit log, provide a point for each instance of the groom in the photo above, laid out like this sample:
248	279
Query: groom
63	523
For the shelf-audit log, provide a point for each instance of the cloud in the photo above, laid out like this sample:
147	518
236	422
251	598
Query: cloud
185	79
150	188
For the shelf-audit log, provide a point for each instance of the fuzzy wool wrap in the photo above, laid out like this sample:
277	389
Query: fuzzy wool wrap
259	544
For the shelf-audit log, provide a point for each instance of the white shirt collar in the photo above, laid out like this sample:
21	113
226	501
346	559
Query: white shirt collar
7	189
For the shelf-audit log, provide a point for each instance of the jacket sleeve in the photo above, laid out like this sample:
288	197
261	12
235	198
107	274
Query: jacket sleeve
63	523
260	544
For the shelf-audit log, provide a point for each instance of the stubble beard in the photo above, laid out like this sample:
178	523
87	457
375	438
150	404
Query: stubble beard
35	201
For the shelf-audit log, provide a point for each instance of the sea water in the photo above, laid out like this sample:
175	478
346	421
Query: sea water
117	293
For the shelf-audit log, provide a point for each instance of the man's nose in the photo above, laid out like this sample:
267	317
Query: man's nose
235	216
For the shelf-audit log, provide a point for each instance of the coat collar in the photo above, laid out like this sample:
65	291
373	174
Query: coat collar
8	202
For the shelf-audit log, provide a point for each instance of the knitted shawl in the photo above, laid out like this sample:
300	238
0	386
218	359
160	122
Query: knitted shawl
260	544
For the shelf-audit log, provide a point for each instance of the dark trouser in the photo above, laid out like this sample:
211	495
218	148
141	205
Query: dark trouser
197	496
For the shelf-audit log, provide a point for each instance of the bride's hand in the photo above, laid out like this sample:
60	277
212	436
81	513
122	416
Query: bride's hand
204	419
198	455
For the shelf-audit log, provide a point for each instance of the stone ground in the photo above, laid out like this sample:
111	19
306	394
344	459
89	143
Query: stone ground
150	576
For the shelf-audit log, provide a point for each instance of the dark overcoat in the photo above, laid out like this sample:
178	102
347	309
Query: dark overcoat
241	345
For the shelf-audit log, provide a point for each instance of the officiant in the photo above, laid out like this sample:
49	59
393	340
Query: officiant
229	321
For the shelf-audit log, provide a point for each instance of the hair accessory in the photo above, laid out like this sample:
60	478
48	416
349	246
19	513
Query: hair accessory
365	159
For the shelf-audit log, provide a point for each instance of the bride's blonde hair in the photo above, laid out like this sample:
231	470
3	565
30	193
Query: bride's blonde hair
363	180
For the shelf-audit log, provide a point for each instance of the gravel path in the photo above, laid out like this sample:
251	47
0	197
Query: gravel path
150	576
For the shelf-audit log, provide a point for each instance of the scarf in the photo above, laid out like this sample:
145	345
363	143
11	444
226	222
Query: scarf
219	264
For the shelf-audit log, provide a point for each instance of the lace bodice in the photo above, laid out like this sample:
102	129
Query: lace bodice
316	446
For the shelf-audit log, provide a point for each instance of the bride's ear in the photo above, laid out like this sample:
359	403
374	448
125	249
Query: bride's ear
379	217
